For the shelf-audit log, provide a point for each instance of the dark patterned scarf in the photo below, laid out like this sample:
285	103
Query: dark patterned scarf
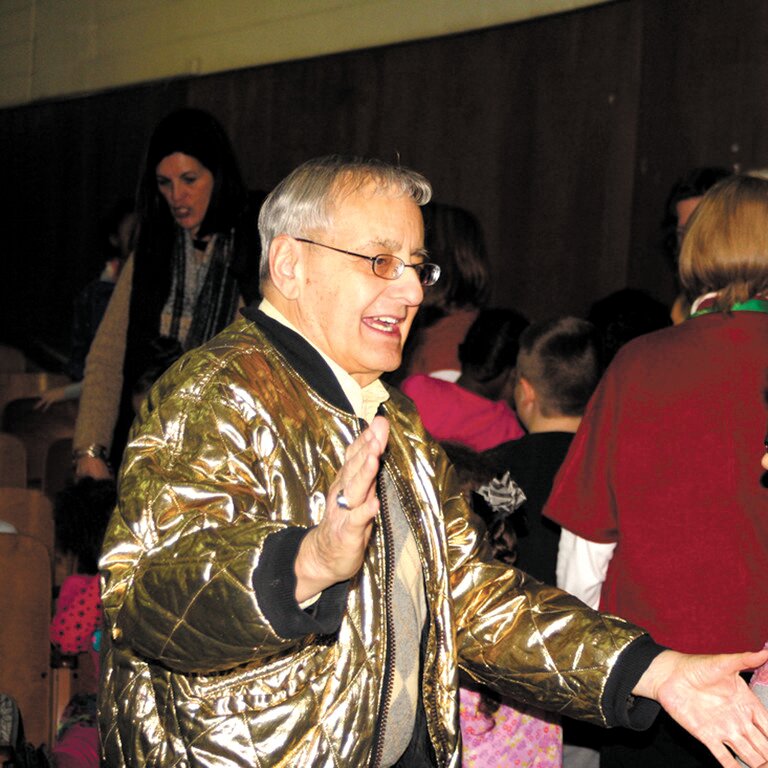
217	301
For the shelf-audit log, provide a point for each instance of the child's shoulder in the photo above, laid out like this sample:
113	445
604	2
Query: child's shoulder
80	582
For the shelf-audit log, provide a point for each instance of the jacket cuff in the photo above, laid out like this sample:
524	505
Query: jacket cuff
274	582
619	705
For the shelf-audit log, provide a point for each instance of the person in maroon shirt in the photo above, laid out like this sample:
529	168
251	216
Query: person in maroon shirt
663	469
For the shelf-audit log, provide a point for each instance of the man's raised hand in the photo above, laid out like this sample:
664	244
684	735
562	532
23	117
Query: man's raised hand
334	550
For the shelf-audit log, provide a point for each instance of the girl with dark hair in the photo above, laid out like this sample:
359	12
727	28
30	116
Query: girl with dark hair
81	516
475	410
196	259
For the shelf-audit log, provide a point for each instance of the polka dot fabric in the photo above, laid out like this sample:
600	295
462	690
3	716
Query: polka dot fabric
78	614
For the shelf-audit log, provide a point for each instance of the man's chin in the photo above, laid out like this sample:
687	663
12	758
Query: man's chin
371	375
393	364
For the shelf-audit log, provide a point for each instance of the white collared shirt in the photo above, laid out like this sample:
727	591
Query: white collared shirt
365	401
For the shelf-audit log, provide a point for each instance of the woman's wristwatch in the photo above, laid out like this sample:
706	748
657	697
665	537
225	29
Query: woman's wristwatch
94	451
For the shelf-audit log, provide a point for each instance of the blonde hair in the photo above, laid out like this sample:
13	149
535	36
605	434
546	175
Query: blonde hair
725	249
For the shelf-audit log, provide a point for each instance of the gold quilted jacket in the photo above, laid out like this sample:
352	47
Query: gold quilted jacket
236	445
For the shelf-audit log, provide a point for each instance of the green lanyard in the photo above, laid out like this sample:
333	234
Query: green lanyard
751	305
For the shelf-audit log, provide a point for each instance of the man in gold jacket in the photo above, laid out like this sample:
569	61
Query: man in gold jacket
292	577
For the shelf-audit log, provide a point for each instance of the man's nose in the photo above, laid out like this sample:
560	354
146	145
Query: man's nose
408	287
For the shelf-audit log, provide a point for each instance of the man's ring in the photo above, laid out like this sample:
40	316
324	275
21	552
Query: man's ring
341	500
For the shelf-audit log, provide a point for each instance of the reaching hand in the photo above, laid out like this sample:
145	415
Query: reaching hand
49	397
92	466
334	550
709	698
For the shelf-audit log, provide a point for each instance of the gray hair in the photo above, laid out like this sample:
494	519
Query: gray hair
302	202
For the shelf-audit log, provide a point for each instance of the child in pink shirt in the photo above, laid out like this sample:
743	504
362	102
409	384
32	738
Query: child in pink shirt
81	514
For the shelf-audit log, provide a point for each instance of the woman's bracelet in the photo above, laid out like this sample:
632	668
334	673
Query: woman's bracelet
95	451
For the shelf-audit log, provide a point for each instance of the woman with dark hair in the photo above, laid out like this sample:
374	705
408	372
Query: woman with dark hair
455	241
196	260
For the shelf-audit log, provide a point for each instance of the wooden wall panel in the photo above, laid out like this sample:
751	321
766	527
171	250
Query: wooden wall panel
512	123
702	102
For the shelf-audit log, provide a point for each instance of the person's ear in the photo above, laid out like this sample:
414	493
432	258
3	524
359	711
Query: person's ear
527	392
285	266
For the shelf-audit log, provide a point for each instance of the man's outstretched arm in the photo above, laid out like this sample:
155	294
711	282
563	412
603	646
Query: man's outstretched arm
710	699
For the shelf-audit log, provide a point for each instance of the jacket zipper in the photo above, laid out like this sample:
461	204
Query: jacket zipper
386	695
440	639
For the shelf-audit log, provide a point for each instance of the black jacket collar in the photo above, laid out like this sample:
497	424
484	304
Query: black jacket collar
302	356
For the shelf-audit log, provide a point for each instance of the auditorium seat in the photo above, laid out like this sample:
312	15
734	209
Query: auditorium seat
38	430
12	360
13	461
25	608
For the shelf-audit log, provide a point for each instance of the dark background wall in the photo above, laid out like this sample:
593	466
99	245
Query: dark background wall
562	134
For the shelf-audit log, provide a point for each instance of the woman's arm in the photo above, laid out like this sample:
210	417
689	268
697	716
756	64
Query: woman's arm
103	382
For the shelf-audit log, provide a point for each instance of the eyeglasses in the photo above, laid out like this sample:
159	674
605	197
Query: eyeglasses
387	265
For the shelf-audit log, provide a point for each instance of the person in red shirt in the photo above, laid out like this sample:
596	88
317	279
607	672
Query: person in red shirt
664	513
